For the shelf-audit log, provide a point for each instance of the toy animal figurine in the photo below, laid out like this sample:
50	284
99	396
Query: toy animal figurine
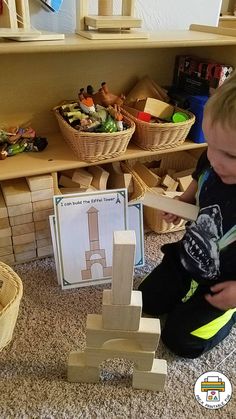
106	98
115	112
86	102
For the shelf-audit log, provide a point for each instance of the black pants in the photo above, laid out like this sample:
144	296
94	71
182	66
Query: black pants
163	291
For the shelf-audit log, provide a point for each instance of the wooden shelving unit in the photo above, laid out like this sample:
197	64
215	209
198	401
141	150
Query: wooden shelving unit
39	75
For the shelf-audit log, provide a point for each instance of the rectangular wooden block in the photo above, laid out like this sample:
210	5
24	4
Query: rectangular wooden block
3	208
147	336
5	232
163	203
4	222
43	214
82	177
36	183
23	257
23	248
21	219
42	225
100	177
8	258
149	177
45	251
7	250
23	238
22	229
42	234
151	380
42	194
20	209
5	241
43	205
120	348
15	192
79	372
44	242
123	260
121	317
67	182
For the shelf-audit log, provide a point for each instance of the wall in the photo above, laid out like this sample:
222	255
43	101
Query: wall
156	14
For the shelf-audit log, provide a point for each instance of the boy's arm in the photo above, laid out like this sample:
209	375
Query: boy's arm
224	296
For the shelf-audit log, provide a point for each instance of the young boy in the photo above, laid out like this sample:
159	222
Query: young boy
196	280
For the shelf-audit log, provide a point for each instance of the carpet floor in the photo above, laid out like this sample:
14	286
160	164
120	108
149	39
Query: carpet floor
51	323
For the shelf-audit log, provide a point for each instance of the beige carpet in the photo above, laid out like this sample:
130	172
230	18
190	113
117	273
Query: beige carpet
51	323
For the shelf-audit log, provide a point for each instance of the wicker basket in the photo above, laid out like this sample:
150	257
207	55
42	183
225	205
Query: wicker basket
10	296
93	146
153	136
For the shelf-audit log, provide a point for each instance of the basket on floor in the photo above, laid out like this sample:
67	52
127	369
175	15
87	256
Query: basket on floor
10	296
158	136
94	146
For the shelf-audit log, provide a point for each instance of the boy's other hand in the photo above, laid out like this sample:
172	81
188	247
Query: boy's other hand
224	296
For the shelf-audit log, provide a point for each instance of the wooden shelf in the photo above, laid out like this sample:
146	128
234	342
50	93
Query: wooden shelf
57	157
197	36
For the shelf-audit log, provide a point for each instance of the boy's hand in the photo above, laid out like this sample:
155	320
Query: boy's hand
171	218
224	296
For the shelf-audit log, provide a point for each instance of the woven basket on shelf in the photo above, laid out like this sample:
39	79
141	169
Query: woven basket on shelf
10	296
157	136
93	146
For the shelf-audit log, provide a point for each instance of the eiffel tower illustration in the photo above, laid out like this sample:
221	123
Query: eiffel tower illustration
95	254
120	331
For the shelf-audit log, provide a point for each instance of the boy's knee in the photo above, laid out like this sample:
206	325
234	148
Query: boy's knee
181	342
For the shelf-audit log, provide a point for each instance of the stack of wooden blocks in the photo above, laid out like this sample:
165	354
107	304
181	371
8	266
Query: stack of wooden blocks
26	204
120	331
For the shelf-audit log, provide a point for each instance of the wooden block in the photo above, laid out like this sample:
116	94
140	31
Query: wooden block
3	208
100	177
42	234
114	167
45	251
184	182
43	214
78	371
116	181
78	189
42	225
4	222
43	205
23	248
21	219
67	182
82	177
23	238
147	336
5	232
5	241
22	229
20	209
6	250
8	258
114	22
163	203
42	194
151	380
15	192
150	178
120	348
121	317
123	260
44	242
169	183
36	183
23	257
182	173
155	107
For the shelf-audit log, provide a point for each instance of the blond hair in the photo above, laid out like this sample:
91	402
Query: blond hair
221	107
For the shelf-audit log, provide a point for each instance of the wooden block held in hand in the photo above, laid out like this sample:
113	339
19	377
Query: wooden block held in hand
163	203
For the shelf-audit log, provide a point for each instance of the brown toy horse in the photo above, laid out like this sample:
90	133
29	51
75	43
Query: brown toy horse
105	98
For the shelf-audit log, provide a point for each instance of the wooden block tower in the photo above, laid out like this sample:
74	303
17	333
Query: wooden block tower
106	25
120	331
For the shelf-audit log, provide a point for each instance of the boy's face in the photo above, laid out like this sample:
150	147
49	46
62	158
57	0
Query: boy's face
221	150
